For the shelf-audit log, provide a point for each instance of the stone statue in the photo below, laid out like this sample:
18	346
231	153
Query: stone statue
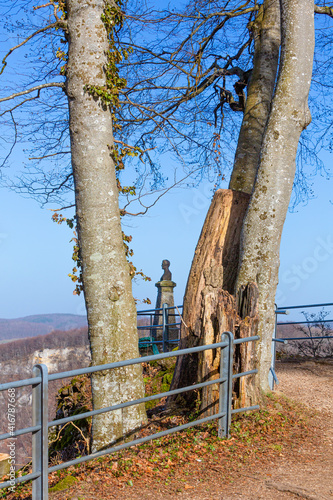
167	274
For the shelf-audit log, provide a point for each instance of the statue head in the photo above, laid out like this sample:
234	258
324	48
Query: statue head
167	274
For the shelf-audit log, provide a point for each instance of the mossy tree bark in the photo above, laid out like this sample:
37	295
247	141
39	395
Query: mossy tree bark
263	224
266	32
107	285
264	168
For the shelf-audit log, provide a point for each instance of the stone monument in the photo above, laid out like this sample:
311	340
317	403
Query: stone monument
165	296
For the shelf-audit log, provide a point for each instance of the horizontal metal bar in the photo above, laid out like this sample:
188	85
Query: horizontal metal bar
149	310
158	309
247	408
149	327
307	305
20	432
150	342
20	383
135	402
21	479
283	341
145	327
308	338
305	322
246	339
243	374
136	441
135	361
173	324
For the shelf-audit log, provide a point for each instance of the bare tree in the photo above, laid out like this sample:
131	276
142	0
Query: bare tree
316	326
90	75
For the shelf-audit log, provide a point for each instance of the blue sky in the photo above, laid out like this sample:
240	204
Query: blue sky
35	253
306	269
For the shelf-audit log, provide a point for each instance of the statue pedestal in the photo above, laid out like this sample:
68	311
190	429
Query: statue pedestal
165	293
165	296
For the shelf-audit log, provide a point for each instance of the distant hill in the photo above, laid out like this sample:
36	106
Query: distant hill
60	351
39	324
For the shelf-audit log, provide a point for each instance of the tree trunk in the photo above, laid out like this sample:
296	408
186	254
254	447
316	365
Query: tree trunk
107	285
268	207
210	309
266	31
218	246
207	309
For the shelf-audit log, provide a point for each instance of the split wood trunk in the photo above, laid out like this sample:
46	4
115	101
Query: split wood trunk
210	308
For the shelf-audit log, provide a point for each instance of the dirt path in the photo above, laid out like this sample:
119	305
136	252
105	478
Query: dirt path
309	475
305	472
306	476
312	384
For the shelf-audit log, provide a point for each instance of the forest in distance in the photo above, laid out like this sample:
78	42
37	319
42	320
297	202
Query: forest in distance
38	324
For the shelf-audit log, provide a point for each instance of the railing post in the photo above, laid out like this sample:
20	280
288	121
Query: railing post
152	330
165	328
271	373
226	387
40	438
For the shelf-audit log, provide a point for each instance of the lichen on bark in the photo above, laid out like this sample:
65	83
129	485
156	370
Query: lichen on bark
264	168
111	316
290	115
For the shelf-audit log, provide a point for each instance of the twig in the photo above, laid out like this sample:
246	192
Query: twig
28	91
181	318
86	440
48	156
53	25
323	10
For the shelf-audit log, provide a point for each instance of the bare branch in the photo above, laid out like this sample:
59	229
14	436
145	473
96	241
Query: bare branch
123	211
62	208
38	87
14	142
37	7
324	10
49	156
57	24
20	104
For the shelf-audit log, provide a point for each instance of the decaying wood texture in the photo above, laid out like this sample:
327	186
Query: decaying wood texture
268	178
210	308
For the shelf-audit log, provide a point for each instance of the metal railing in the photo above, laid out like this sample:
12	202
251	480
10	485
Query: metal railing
304	322
286	340
167	324
39	429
